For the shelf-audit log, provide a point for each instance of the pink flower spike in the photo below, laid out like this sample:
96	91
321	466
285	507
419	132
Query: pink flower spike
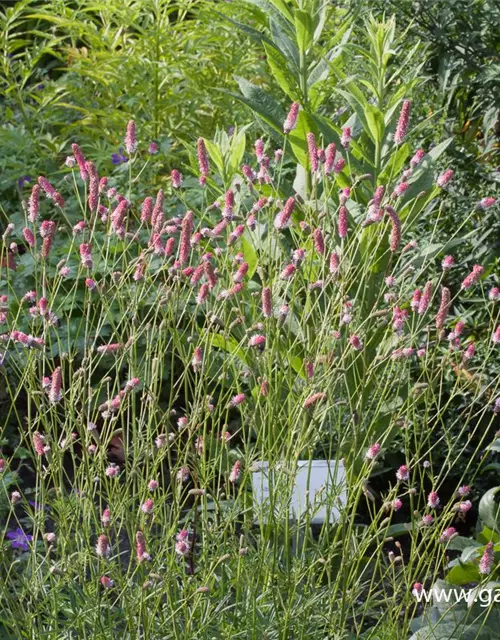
402	126
373	451
80	158
346	137
487	203
473	277
86	255
34	203
445	178
147	506
106	582
29	236
403	473
487	560
130	138
258	342
176	178
313	152
433	500
55	394
291	119
447	263
495	338
444	307
202	160
102	548
267	305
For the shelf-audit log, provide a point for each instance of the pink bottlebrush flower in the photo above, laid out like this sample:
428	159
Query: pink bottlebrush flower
426	521
425	300
103	183
402	126
147	506
153	148
106	582
29	236
417	589
197	359
470	352
55	386
495	338
334	263
373	451
118	218
157	213
339	165
182	547
464	491
403	473
34	203
50	191
241	273
444	307
219	228
448	534
400	189
417	158
267	303
313	152
259	205
139	272
487	559
234	235
106	517
343	222
196	274
463	507
130	138
494	294
183	474
79	227
288	272
131	384
235	474
227	212
264	388
257	341
161	441
487	203
147	209
140	547
202	294
249	174
102	547
113	347
298	256
237	400
345	139
278	155
176	178
86	255
93	197
447	263
39	444
395	236
282	220
390	281
356	342
259	150
331	152
153	485
473	277
396	504
345	194
210	274
169	247
186	231
319	242
90	284
15	497
291	119
313	400
433	500
202	160
445	178
112	471
3	465
80	158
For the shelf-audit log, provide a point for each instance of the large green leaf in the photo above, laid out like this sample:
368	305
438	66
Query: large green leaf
264	105
489	510
304	28
375	123
281	72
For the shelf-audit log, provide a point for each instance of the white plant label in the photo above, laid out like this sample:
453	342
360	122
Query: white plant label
318	489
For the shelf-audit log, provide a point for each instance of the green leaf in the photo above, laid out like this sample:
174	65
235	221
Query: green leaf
237	150
298	137
489	509
215	155
463	574
281	72
304	28
375	123
395	163
262	103
250	255
228	344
